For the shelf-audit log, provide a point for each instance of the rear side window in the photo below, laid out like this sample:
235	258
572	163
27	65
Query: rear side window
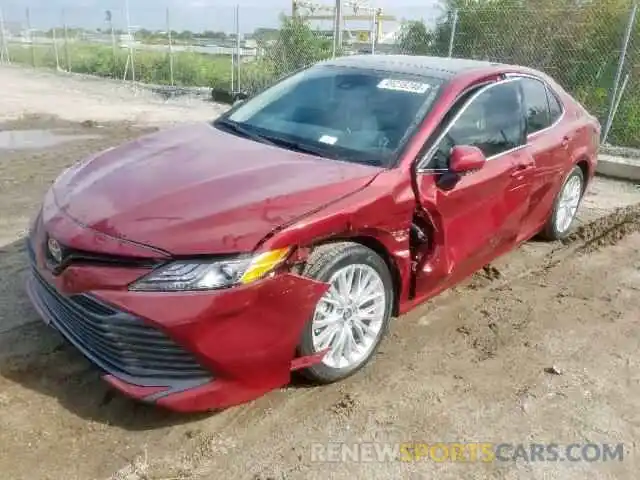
555	108
536	105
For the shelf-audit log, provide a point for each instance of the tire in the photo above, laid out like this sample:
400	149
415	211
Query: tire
552	230
332	261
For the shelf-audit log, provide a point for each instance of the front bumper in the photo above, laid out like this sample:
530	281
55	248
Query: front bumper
190	351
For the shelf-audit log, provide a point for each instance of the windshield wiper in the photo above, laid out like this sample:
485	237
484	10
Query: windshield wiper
245	132
274	141
299	147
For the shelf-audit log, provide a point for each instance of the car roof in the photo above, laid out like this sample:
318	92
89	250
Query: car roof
440	67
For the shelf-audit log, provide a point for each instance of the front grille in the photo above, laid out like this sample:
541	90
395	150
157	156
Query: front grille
73	256
119	343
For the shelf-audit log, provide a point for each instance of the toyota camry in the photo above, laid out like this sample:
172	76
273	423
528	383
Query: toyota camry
197	267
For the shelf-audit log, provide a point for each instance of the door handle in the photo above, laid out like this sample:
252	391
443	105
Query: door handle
524	165
521	167
565	141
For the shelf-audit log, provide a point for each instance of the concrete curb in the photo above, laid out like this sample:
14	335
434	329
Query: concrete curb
619	167
616	151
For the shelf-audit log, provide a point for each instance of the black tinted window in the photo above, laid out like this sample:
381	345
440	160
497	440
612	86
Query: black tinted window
537	108
493	122
554	106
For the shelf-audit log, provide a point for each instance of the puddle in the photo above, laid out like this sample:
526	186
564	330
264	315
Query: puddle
35	139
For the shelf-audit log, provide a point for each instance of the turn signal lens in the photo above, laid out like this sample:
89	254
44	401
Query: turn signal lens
264	263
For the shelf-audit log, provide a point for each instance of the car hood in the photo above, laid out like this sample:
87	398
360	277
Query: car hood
196	190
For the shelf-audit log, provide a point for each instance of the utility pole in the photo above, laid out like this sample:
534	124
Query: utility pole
30	34
170	47
337	34
109	19
131	42
238	51
4	50
66	40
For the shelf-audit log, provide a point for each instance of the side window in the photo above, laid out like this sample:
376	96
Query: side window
492	121
555	108
536	105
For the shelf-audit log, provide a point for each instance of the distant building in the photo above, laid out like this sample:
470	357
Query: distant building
13	29
390	38
127	40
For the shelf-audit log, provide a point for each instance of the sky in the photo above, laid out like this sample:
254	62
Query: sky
195	15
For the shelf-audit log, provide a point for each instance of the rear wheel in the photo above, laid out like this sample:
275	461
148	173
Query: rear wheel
351	318
566	206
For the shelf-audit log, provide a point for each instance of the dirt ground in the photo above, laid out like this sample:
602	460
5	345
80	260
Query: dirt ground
541	347
79	98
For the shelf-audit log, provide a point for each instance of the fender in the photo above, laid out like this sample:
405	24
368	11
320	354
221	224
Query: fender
359	217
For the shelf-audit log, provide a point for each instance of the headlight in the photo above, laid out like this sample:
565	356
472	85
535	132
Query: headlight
209	275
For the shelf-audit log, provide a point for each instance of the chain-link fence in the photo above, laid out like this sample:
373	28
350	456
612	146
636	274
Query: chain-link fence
588	47
592	48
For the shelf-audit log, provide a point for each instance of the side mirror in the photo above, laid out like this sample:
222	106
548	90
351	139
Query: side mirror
465	158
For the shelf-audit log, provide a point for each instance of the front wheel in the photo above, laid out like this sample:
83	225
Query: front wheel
351	318
566	206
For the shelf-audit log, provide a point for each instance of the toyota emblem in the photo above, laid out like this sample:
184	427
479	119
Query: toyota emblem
55	250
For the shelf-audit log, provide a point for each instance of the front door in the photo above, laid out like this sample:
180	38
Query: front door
480	216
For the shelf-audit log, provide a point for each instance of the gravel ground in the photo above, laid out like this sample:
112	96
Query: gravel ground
80	98
541	347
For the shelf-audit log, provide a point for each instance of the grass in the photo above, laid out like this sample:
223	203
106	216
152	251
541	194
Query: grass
190	68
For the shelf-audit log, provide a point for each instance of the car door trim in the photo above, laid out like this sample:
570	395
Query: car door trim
427	157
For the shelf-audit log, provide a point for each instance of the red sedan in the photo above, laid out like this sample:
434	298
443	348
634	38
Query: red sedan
198	267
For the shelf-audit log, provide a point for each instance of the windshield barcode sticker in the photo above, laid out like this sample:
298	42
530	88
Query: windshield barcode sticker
404	85
328	139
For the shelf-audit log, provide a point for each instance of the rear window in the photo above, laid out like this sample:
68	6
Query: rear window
536	105
555	107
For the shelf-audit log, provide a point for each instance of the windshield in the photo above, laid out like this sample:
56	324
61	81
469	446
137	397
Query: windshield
358	115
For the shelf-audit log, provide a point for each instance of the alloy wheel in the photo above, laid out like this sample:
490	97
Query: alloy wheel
568	203
349	317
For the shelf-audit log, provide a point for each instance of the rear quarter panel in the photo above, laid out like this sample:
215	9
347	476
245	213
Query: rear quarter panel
584	132
583	127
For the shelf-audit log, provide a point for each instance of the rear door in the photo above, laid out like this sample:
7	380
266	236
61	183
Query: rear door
548	145
480	216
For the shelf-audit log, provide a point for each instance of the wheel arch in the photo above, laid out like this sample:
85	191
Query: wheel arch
581	158
378	246
583	164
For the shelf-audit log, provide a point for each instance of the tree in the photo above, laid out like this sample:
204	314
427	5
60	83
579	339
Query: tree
415	39
297	46
184	35
577	42
265	34
283	51
210	34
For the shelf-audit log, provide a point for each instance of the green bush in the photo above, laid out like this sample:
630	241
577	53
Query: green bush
577	43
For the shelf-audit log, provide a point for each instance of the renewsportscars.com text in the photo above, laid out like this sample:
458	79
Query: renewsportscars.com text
466	452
